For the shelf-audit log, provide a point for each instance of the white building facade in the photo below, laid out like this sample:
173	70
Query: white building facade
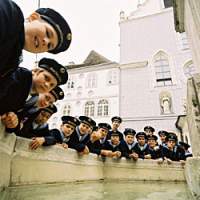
92	90
155	62
148	87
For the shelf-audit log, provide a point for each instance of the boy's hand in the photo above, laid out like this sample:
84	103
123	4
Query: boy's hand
168	160
64	145
10	120
36	142
134	156
95	136
85	151
148	156
160	161
107	153
116	154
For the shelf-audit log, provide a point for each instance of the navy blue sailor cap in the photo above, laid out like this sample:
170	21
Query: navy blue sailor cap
172	137
56	69
116	118
141	134
58	93
104	126
70	120
129	131
61	27
50	109
149	128
163	132
87	120
152	137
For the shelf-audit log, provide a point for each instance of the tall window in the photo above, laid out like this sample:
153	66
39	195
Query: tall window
89	108
102	108
162	70
67	110
70	83
91	80
189	69
112	77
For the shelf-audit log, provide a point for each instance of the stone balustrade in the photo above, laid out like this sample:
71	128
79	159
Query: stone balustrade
22	166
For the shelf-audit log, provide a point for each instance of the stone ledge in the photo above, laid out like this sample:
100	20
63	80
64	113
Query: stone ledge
22	166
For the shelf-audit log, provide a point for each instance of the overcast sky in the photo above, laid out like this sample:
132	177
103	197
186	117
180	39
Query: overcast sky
94	25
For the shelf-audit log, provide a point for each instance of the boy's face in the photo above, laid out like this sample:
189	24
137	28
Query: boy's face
148	132
45	100
162	138
43	81
171	144
141	140
43	117
115	125
115	139
103	132
84	128
151	143
129	139
67	129
40	36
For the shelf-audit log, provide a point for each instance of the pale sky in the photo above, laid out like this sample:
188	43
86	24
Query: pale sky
94	24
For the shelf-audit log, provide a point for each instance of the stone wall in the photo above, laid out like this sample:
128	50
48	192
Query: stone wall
22	166
187	18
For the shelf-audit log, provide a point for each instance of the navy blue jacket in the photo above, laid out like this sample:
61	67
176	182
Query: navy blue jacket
14	90
109	146
11	37
141	153
125	149
176	155
75	143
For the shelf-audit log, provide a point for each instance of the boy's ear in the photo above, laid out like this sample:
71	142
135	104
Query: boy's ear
33	16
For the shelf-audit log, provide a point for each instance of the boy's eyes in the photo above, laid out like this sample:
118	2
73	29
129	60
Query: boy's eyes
46	78
47	33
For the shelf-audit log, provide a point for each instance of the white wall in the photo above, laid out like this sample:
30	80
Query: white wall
141	38
80	94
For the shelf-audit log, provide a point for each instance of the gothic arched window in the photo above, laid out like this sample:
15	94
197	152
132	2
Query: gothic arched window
189	69
162	69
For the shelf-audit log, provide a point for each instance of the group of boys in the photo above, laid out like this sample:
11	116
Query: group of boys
83	135
28	95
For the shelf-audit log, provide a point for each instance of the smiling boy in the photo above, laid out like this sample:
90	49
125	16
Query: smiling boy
45	30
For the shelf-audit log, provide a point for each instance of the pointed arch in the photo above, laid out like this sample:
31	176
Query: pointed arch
162	69
189	69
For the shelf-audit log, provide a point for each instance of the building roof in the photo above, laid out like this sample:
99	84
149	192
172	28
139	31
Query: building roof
93	58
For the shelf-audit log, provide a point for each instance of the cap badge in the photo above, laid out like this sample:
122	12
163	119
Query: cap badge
69	36
62	70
